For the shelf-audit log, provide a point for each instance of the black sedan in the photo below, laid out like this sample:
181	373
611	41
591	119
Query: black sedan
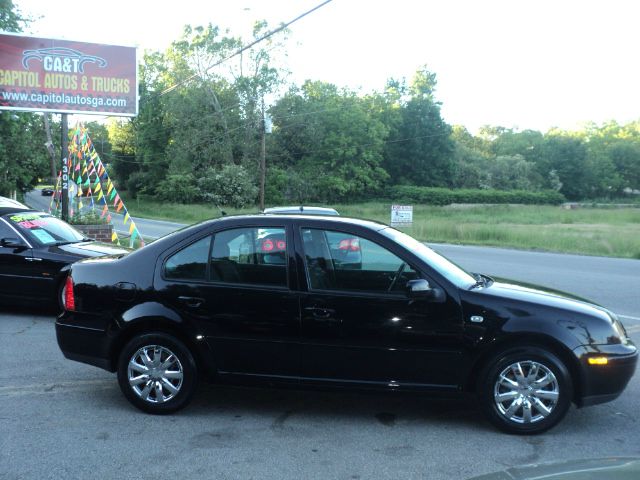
34	247
283	299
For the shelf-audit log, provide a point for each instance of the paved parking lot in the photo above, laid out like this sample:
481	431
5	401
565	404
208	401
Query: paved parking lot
62	419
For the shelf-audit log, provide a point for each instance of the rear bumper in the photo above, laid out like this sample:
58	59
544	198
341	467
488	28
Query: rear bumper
83	343
603	383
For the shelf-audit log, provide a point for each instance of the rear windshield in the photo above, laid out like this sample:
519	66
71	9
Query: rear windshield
44	229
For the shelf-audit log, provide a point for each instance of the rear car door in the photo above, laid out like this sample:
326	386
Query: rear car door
235	285
359	325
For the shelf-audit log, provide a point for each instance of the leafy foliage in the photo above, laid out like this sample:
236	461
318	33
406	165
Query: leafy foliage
231	185
23	157
199	135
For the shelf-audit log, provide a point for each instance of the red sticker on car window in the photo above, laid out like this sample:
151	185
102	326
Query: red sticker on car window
269	245
32	223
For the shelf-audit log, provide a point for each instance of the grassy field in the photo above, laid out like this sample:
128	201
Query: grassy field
593	231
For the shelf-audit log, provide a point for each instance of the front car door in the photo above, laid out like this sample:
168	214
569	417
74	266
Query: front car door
235	285
358	323
18	274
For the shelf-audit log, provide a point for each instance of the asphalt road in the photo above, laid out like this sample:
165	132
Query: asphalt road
62	419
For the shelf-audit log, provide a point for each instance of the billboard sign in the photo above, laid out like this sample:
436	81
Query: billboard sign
65	76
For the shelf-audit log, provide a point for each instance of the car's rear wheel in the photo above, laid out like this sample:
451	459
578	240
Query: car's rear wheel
157	373
526	390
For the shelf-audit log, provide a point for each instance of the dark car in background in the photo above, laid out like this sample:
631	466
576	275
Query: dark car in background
34	247
266	299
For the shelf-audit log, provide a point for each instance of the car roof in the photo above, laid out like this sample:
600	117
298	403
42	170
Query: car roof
8	205
370	224
301	209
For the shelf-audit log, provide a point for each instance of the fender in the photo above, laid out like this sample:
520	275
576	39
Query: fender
145	316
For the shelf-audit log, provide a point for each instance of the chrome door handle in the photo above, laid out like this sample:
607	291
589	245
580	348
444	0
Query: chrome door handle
323	314
33	259
192	302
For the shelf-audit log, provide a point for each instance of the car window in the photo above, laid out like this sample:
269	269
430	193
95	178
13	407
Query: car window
343	261
44	229
255	255
6	231
190	263
442	265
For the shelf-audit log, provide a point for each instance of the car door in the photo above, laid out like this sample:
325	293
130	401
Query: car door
358	323
16	266
234	285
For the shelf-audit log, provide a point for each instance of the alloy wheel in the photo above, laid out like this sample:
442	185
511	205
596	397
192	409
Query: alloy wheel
526	392
155	374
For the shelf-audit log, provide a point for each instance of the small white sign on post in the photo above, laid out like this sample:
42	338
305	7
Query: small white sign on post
401	215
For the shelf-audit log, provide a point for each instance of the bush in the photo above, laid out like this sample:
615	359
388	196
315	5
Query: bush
444	196
88	218
231	185
139	182
178	188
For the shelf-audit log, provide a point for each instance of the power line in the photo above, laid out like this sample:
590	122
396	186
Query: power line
246	47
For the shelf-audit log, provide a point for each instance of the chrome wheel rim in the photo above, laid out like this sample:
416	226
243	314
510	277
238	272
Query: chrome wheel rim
526	392
155	374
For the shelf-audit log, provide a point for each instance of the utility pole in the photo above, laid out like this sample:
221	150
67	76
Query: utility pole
263	160
49	147
65	167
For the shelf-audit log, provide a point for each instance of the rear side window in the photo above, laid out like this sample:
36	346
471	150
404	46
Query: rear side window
190	263
255	255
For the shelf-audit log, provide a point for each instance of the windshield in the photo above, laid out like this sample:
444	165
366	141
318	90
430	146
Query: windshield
44	229
440	264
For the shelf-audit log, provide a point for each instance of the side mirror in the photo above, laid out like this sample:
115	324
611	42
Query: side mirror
420	289
11	242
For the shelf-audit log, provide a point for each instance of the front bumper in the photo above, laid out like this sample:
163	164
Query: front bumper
84	340
603	383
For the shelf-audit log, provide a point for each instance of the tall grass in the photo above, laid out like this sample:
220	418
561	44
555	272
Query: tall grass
592	231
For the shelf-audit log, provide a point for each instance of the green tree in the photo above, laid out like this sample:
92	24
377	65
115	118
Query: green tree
23	157
567	157
331	141
419	149
10	18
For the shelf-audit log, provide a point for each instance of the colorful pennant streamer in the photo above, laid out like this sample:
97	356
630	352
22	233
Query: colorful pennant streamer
88	173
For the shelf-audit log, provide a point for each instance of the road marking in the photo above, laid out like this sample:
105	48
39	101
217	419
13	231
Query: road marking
58	387
634	329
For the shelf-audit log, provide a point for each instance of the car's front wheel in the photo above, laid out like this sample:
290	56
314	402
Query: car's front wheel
526	390
157	373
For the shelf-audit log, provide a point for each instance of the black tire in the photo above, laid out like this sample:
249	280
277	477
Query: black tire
526	390
164	384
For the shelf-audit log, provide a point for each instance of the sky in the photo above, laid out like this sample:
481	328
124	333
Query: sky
521	64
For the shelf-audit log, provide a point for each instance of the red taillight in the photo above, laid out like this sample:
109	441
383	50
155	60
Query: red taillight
69	300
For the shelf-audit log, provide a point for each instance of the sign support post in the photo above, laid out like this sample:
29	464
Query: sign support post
65	167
